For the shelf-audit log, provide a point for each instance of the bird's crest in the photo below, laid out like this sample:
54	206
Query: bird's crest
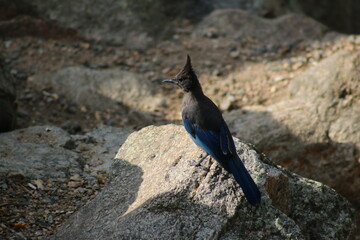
187	69
186	79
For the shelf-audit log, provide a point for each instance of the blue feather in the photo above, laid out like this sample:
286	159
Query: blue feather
243	177
220	145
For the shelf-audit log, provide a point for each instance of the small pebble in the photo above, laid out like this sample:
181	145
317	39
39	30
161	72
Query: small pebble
76	177
39	184
32	186
217	72
48	200
50	219
234	54
4	186
74	184
280	78
81	190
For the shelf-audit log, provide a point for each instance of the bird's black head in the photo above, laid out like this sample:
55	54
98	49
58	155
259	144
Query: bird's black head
186	79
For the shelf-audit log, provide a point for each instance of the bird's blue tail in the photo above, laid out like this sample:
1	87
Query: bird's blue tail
243	177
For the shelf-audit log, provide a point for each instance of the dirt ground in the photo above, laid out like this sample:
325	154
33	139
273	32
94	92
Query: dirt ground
33	210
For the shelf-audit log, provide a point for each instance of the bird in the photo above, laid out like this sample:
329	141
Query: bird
207	128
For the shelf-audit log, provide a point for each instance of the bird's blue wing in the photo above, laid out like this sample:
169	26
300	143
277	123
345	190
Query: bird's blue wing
206	139
226	142
189	127
214	142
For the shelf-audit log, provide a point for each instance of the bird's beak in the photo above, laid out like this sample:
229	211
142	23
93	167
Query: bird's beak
170	81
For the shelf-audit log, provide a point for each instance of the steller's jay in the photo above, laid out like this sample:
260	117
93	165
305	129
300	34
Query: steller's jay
207	128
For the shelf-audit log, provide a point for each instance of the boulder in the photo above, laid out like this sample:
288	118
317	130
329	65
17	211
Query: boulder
104	89
238	24
316	132
162	187
37	152
44	152
7	99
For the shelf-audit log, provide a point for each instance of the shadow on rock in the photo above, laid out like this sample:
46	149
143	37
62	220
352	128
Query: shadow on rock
112	202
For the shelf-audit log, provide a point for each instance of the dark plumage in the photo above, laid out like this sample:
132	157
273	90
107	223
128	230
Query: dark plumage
207	128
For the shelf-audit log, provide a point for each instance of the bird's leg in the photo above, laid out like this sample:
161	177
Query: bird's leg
202	158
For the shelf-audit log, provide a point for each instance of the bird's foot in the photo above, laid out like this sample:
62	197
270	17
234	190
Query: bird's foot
202	158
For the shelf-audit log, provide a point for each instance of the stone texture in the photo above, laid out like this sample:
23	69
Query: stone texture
162	188
36	153
100	146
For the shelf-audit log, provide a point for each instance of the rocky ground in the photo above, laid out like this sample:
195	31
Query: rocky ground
29	56
35	208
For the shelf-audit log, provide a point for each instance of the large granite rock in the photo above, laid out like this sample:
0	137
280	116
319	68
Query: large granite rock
316	132
162	188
